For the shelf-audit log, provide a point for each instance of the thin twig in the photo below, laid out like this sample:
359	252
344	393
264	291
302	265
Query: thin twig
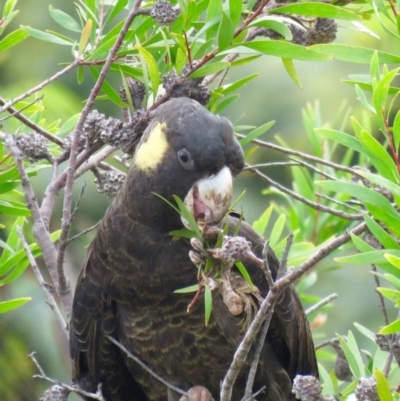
265	265
313	168
72	163
37	88
305	156
84	232
46	287
256	357
272	164
268	303
321	303
343	204
95	160
282	264
145	367
15	112
40	231
314	205
73	389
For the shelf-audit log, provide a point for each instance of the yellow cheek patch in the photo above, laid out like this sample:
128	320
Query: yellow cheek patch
151	152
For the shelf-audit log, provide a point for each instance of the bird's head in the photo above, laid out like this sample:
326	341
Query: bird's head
188	152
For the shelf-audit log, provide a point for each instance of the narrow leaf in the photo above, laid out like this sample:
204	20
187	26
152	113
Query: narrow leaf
85	37
192	288
207	304
209	69
291	70
321	10
13	39
63	19
152	68
354	54
256	133
225	33
45	36
244	273
7	306
383	386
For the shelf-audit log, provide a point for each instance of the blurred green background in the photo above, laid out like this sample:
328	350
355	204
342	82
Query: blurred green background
272	96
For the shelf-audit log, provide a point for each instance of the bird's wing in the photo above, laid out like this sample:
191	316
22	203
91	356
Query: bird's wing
94	358
289	331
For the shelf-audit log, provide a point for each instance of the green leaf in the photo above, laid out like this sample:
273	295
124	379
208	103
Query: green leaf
244	273
214	10
210	68
380	234
318	10
383	386
391	328
13	208
226	90
328	388
182	233
13	241
396	130
395	261
380	96
207	304
85	37
390	278
392	295
341	137
283	49
291	70
354	54
69	125
151	67
363	99
187	216
13	39
45	36
7	306
374	67
235	11
192	288
108	89
277	230
380	158
225	32
8	7
256	133
377	204
381	181
365	332
80	74
274	23
225	102
63	19
121	4
261	224
353	355
367	258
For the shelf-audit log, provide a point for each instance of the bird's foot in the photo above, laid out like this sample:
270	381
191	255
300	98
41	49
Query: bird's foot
197	393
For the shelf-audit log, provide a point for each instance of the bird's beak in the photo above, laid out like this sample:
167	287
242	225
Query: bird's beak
209	198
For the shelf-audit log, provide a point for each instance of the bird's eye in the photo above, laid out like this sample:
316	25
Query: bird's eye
185	159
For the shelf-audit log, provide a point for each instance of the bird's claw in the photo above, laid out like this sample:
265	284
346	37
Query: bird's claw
197	393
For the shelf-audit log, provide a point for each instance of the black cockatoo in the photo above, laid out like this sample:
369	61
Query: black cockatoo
126	287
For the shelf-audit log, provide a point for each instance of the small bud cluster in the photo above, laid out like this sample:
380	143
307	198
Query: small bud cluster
33	146
341	368
92	127
137	92
186	87
366	390
323	31
55	393
112	131
109	182
389	343
306	388
164	13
